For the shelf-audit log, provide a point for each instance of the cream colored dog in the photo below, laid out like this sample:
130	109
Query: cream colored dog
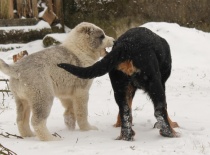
35	80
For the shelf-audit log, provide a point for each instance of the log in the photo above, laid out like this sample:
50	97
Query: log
26	34
21	36
18	22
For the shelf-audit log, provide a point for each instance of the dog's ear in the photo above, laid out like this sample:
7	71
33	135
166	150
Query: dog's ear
85	28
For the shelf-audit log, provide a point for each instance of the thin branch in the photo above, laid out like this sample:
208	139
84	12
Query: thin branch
8	135
6	151
56	135
6	90
6	80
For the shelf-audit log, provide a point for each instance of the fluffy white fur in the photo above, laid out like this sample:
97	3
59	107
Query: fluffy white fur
35	80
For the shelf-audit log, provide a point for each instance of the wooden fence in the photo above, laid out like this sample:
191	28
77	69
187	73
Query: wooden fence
49	10
27	13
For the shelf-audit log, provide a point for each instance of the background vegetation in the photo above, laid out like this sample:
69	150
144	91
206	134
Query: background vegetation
116	16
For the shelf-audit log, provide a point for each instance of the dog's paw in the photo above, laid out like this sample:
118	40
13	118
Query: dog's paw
93	128
50	138
125	138
27	133
165	129
89	127
168	133
127	135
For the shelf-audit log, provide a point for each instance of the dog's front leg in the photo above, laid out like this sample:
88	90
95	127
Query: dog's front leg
81	110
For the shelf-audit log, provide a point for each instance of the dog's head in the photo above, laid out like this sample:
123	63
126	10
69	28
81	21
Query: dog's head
93	37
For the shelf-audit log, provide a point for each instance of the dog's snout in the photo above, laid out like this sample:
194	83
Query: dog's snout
113	41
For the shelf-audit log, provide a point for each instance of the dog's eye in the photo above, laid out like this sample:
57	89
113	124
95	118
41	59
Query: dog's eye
102	36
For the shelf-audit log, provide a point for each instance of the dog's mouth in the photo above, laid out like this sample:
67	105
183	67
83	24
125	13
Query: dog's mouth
105	51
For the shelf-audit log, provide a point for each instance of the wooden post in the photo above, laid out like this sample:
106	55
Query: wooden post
24	8
58	9
34	8
19	8
49	5
11	9
6	9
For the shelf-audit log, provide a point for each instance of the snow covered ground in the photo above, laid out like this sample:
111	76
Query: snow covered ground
188	98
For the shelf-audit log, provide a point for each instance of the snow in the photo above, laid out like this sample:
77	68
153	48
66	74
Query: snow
43	5
39	26
188	99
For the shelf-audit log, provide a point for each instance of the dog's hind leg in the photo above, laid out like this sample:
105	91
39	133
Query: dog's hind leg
127	132
81	110
173	124
41	107
69	116
123	94
130	94
157	94
23	116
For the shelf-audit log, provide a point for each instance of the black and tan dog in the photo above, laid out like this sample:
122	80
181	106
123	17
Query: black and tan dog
140	59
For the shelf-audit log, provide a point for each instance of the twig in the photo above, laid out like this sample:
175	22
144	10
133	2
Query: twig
8	135
132	147
6	151
6	90
6	80
56	135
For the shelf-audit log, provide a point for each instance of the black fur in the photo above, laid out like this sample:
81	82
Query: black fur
150	55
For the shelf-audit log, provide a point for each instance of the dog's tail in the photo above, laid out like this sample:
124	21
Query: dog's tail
7	69
100	68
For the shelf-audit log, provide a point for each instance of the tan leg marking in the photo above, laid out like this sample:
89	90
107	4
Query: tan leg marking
129	101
